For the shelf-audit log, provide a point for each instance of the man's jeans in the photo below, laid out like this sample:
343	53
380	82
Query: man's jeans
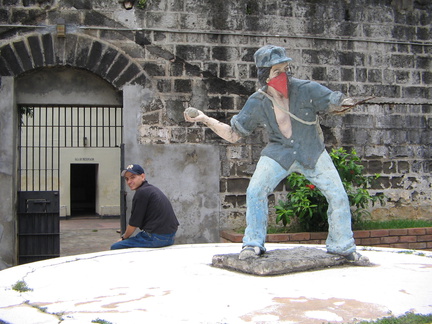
269	174
145	240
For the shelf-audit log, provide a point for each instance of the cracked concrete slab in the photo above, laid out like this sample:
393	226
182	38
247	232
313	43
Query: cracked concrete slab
179	284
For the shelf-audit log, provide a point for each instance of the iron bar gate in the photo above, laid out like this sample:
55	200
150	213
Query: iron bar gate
44	131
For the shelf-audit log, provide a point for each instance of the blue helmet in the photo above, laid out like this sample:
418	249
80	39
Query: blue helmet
270	55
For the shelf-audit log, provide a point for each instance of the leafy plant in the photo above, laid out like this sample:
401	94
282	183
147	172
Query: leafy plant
24	110
306	205
142	4
21	286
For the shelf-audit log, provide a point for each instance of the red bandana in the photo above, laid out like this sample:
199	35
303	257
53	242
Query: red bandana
280	83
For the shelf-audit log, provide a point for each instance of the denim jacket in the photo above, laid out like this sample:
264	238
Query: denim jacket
306	99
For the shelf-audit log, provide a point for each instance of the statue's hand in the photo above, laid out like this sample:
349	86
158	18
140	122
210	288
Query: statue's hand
348	102
193	115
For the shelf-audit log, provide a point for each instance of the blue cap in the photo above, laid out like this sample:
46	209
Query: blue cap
270	55
133	168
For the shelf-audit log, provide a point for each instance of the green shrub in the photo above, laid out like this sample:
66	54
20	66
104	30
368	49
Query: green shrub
307	206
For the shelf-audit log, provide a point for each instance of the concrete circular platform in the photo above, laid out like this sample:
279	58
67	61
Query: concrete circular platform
178	284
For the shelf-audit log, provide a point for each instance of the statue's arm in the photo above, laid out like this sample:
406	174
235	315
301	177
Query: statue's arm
223	130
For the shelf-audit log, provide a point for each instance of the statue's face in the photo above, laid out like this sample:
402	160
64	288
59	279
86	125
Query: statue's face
278	79
278	69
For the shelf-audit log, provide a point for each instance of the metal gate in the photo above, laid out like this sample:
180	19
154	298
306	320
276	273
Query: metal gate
38	225
44	131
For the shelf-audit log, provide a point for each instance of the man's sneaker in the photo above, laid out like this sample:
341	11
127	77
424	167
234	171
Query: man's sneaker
357	259
250	252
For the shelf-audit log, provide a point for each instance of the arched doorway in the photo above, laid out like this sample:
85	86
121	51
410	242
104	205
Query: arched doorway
25	64
69	146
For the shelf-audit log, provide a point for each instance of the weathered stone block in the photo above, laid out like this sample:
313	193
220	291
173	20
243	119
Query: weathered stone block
279	262
192	53
375	166
402	61
181	85
82	52
415	92
9	57
126	76
118	66
194	135
151	118
238	185
154	69
178	135
193	70
427	77
227	70
402	77
361	75
319	73
95	54
24	56
164	85
4	14
311	56
375	75
106	61
403	167
48	49
35	50
347	74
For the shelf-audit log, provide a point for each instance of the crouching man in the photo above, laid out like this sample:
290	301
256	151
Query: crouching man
151	212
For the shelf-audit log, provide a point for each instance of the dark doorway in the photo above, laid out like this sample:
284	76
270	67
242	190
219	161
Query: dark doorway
83	189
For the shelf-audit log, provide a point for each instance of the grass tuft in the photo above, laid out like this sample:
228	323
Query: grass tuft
392	224
407	318
100	321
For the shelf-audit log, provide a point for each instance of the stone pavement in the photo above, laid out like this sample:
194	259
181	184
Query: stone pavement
81	235
178	284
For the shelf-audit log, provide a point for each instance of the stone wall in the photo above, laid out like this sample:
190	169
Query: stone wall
200	53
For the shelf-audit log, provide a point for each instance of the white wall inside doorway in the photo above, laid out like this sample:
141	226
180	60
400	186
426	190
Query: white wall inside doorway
107	182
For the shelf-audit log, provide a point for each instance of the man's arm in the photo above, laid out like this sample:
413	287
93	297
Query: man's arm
128	233
223	130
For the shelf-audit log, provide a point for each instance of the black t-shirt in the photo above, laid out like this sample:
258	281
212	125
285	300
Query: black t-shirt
152	211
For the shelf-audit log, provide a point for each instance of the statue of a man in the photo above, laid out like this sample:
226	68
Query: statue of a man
287	109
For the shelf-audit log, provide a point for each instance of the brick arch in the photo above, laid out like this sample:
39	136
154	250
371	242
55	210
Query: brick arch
81	51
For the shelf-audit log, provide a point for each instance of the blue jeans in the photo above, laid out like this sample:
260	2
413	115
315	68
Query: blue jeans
145	240
324	176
